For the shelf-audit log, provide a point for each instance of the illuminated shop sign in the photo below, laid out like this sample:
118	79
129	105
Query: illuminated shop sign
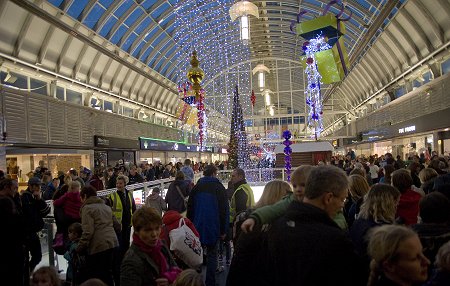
407	129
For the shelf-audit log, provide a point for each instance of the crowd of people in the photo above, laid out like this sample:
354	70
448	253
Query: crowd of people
351	221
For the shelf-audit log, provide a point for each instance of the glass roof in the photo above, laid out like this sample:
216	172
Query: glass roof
163	33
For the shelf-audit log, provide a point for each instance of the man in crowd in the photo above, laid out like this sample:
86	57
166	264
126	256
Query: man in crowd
187	170
123	207
134	176
208	210
242	198
34	210
13	236
323	252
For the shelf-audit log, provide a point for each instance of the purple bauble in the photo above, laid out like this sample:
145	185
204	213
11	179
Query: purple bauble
287	134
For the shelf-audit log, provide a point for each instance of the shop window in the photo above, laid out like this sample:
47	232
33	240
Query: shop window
446	66
127	111
74	97
38	86
14	79
399	91
107	105
427	77
60	93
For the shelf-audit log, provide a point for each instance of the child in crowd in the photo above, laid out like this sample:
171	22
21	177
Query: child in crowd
156	201
189	277
45	276
75	232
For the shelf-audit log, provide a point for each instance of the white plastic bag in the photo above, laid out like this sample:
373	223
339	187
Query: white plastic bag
186	245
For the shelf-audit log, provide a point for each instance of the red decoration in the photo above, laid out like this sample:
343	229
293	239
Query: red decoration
309	61
253	98
200	117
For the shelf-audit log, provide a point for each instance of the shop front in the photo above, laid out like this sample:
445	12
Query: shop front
112	151
21	163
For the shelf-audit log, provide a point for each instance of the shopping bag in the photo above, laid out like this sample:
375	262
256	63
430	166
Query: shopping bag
186	245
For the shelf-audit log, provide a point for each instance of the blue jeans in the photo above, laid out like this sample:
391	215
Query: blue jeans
211	264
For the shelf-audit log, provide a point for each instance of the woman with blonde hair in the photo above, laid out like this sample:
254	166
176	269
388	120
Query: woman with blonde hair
358	188
273	192
189	277
397	257
378	208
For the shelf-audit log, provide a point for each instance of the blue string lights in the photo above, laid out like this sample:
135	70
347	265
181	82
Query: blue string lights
313	81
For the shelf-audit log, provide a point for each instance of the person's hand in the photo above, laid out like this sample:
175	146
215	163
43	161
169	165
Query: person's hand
247	225
162	282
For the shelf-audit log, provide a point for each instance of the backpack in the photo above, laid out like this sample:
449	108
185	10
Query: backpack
238	220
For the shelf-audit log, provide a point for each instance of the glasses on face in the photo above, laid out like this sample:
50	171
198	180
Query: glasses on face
343	200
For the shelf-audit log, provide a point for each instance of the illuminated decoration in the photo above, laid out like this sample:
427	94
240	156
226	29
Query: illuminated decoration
313	80
205	26
195	75
266	94
243	9
261	69
271	110
253	98
287	153
332	63
238	149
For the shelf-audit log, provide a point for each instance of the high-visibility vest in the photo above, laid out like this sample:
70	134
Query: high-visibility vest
250	200
117	207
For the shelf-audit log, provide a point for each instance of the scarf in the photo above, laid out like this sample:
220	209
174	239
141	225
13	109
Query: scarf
170	273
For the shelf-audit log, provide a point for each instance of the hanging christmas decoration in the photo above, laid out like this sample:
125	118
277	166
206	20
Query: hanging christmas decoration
201	118
253	98
313	80
287	152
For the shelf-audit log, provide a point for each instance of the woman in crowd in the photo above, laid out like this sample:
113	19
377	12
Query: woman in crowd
250	247
427	176
358	188
414	168
177	193
387	171
70	202
378	208
99	238
434	229
408	206
441	277
45	276
189	277
148	261
397	257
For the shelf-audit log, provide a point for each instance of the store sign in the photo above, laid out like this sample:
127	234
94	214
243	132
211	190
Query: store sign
159	145
407	129
113	142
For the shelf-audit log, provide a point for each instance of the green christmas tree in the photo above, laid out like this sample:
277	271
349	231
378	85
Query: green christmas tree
238	153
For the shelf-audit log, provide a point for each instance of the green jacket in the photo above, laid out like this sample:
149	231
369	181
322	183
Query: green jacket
268	214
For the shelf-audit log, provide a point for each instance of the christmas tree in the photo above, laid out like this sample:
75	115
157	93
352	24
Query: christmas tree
238	153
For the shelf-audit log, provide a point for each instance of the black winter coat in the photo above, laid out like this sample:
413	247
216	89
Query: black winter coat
306	247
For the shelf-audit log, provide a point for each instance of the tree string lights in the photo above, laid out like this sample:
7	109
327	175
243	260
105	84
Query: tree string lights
313	80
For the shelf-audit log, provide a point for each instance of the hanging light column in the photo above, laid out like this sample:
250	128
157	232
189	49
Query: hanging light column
243	9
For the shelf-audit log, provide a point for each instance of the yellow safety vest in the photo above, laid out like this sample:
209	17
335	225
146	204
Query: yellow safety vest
117	207
250	200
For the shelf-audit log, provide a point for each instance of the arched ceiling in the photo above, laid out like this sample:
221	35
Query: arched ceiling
139	49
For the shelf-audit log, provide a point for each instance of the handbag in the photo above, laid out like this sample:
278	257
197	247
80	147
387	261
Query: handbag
186	245
185	199
58	244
